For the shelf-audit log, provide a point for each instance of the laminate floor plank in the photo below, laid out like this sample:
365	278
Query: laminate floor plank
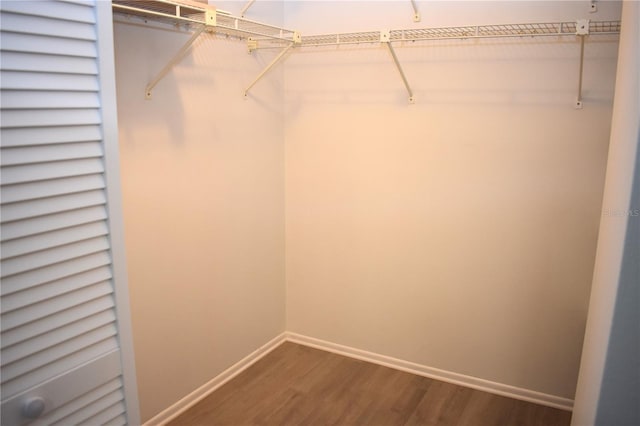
492	409
299	385
339	394
442	404
396	399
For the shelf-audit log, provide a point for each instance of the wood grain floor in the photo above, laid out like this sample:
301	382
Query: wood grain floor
298	385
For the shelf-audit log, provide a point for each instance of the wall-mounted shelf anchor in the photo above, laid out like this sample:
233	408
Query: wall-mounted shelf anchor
252	44
385	38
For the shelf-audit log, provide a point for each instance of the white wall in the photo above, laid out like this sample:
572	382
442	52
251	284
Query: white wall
459	232
609	382
202	175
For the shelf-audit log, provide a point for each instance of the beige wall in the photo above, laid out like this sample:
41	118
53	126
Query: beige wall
202	175
459	232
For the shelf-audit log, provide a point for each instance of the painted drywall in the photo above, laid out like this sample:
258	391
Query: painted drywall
620	390
459	232
609	381
203	199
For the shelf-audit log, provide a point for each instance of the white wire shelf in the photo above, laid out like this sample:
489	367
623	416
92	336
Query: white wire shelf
201	17
466	32
196	15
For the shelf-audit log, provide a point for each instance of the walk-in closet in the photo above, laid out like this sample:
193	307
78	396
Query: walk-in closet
320	212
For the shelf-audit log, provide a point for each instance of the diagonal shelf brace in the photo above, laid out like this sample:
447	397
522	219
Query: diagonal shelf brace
296	41
176	58
416	12
582	30
246	7
385	39
580	72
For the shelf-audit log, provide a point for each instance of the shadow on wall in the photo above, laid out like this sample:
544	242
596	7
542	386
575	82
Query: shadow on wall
461	98
201	77
151	58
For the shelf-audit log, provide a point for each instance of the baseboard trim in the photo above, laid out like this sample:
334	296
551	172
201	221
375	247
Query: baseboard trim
203	391
435	373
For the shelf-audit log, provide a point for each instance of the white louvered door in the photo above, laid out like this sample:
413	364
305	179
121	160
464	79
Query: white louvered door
62	340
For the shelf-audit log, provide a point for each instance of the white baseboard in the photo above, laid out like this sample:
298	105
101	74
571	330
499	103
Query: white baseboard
435	373
194	397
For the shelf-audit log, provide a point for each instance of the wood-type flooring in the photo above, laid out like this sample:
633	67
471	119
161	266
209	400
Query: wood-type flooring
298	385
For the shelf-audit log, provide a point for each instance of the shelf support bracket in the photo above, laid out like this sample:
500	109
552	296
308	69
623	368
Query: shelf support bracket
385	38
297	39
246	7
579	98
416	13
176	58
582	30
